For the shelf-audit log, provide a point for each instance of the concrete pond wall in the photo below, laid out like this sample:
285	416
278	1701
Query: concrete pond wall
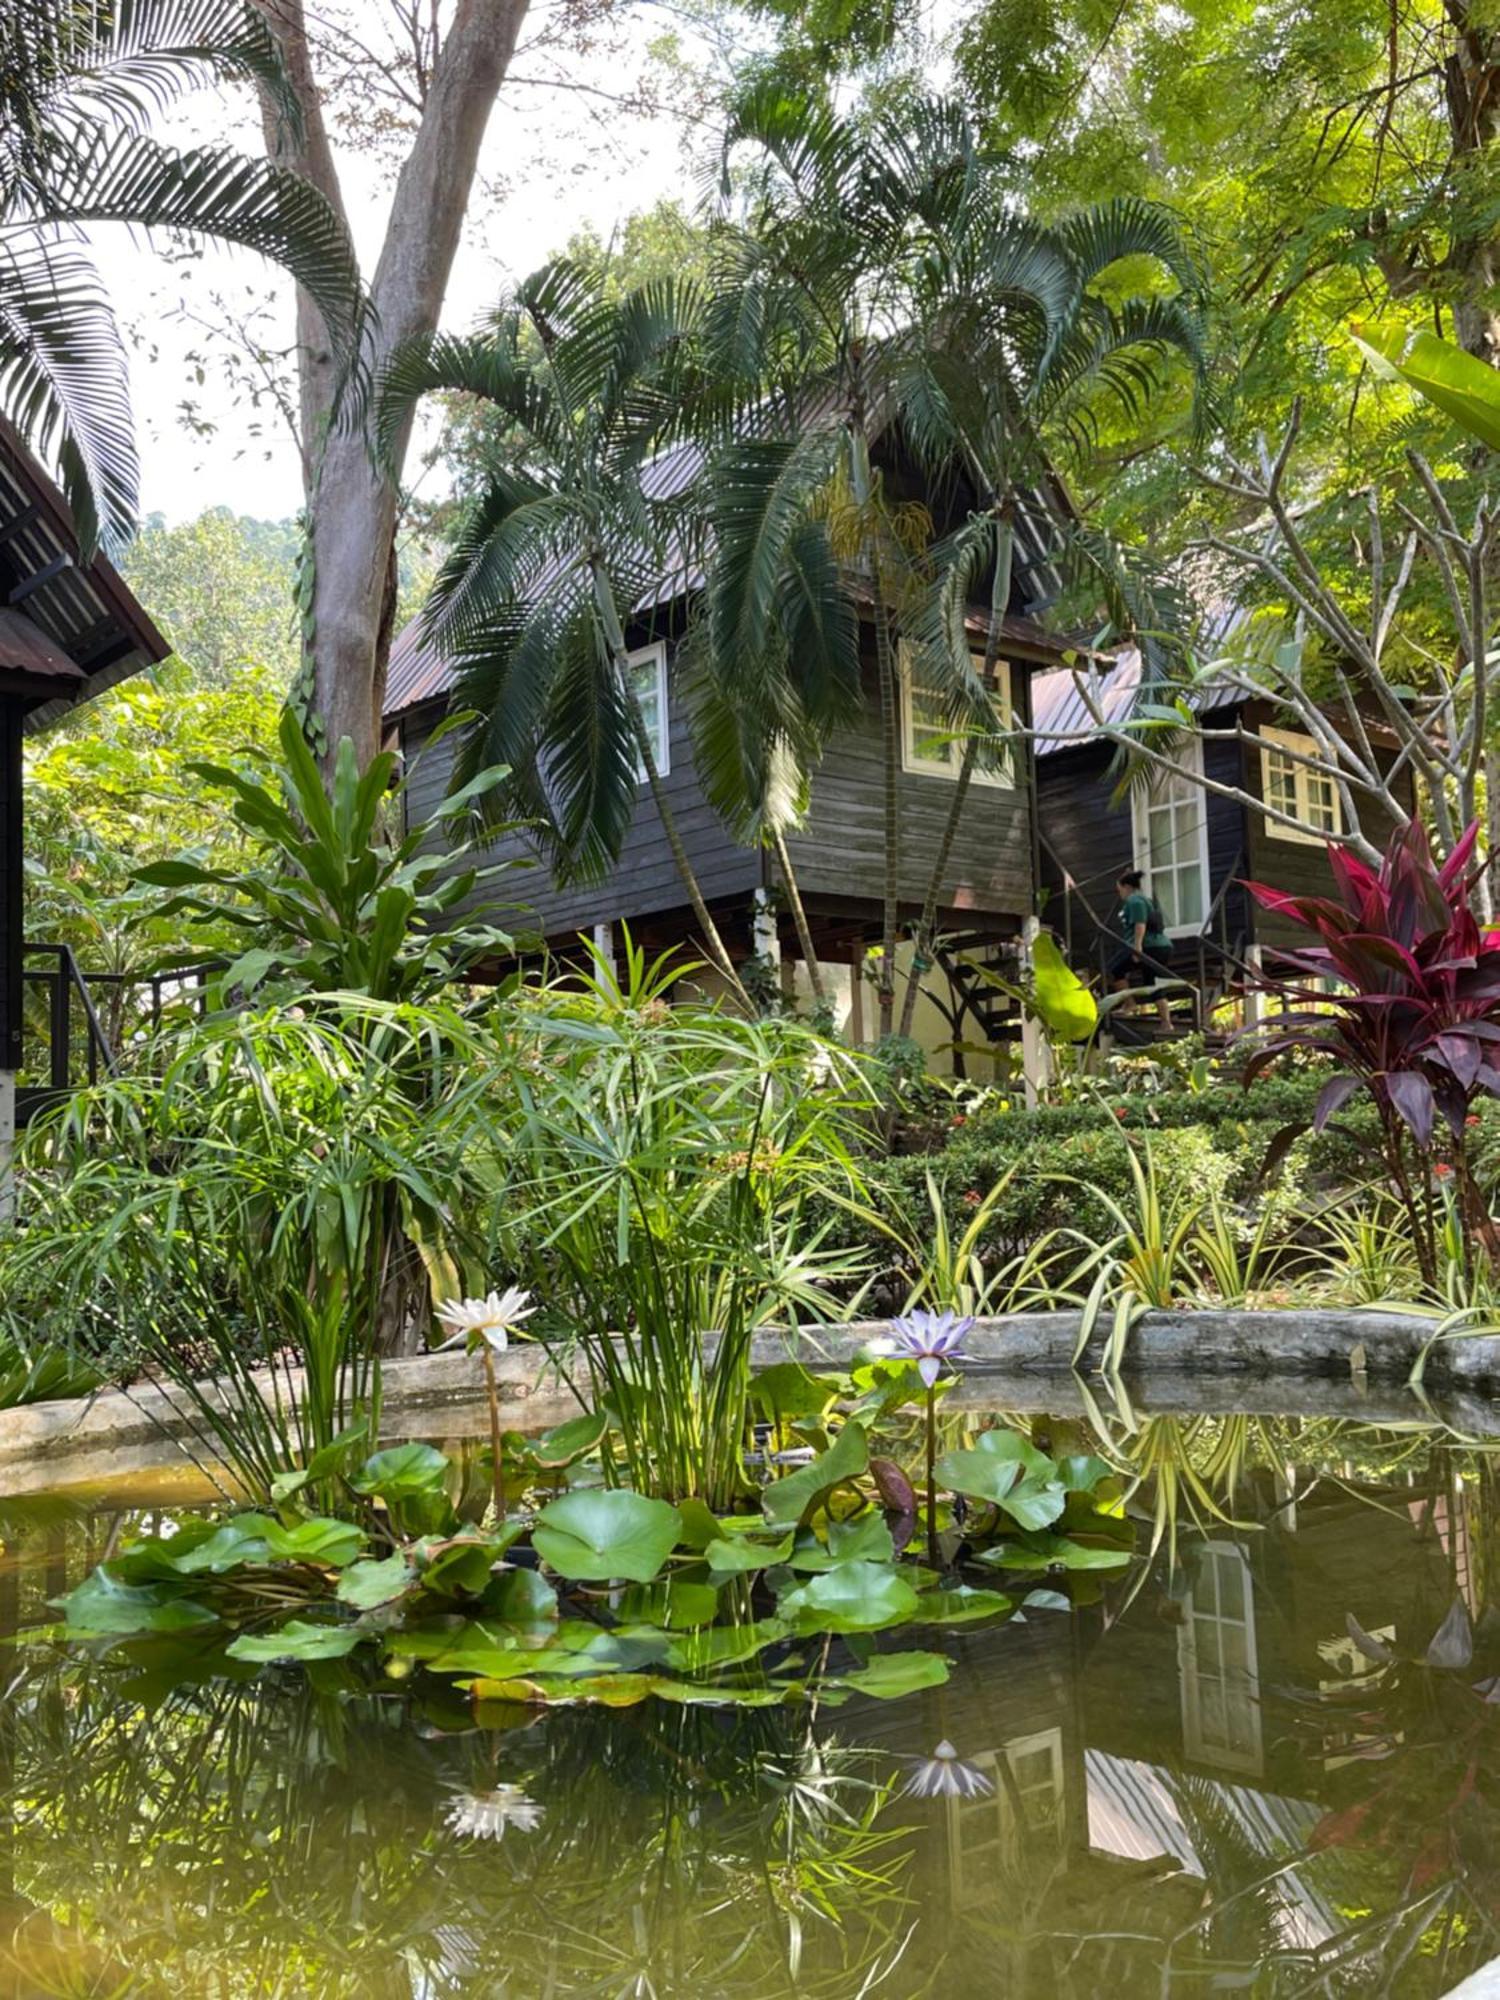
1328	1363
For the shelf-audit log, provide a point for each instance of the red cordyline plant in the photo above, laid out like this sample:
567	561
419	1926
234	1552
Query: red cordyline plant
1412	1017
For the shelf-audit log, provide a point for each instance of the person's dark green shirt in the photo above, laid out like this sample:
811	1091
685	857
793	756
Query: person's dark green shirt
1136	909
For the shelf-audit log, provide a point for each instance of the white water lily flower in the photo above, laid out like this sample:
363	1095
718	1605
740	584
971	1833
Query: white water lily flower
944	1775
489	1320
486	1815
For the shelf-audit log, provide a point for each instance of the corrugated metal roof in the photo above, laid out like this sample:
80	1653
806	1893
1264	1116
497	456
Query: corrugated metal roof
418	671
86	613
1060	714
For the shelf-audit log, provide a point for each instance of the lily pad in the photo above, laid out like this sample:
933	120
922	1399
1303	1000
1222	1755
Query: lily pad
864	1539
961	1605
888	1676
743	1555
792	1499
787	1390
855	1597
327	1544
366	1585
1005	1469
102	1607
521	1597
1059	1552
595	1537
296	1640
402	1471
562	1446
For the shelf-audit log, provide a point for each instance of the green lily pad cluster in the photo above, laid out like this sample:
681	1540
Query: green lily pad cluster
602	1594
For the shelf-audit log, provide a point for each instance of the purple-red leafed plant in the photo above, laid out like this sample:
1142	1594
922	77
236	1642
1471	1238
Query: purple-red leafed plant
1412	1017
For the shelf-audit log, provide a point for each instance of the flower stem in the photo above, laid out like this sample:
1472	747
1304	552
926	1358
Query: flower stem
932	1542
497	1462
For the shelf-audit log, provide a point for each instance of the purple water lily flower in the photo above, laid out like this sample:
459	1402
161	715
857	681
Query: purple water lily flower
932	1340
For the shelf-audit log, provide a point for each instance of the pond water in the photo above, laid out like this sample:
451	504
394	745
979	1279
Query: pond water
1191	1781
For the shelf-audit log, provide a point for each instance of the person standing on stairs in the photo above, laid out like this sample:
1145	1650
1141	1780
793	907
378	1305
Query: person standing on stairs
1146	954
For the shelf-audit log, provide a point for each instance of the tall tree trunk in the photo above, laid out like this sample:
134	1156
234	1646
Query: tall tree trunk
927	921
890	747
1471	88
799	915
349	586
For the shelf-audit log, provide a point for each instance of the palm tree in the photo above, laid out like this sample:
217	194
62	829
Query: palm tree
572	531
78	86
879	279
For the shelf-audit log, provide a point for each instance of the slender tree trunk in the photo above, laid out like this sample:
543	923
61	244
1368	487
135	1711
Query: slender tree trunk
1471	88
927	921
348	592
799	915
890	732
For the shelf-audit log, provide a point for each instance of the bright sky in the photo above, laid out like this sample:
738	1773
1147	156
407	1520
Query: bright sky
583	161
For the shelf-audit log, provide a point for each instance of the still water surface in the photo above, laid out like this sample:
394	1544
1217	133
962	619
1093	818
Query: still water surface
1192	1782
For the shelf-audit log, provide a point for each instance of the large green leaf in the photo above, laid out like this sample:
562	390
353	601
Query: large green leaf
594	1537
888	1676
368	1584
1065	1006
297	1640
1452	380
401	1471
855	1597
327	1544
864	1539
1004	1468
790	1500
101	1607
1053	1552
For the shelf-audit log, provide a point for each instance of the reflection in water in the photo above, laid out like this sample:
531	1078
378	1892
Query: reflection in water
1266	1762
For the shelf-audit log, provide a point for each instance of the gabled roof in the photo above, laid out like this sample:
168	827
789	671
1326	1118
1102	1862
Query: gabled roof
67	630
418	672
1059	713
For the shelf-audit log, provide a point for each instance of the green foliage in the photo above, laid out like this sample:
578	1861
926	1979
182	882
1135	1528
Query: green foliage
458	1601
327	905
660	1164
221	588
114	788
81	88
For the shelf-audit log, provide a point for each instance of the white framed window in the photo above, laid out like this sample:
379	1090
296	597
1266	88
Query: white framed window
1170	823
1218	1663
648	677
1310	796
929	748
1018	1820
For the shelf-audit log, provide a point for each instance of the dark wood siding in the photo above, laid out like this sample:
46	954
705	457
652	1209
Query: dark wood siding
838	855
644	882
840	852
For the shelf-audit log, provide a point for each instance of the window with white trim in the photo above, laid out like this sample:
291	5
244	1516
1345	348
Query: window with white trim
1170	818
929	746
648	677
1021	1818
1291	787
1218	1662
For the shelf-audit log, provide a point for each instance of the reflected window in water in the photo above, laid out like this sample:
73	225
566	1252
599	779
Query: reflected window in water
1217	1662
1021	1818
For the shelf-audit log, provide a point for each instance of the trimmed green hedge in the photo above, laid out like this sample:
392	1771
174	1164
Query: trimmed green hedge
1067	1157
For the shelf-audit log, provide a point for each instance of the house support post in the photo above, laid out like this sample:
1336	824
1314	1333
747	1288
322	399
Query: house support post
765	937
604	944
1036	1052
1255	995
11	989
857	994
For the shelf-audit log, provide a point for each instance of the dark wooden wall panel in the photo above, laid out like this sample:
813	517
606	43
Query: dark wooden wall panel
646	879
